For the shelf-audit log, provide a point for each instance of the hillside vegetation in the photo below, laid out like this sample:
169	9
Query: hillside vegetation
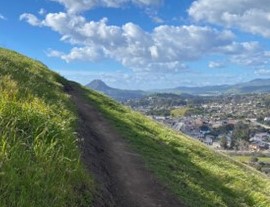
39	159
196	174
179	112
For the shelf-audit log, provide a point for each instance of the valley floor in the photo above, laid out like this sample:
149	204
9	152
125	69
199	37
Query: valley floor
121	175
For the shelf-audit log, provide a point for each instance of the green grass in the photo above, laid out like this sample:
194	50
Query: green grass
39	158
196	174
246	159
179	112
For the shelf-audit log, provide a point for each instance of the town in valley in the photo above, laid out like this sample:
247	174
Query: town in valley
238	125
232	122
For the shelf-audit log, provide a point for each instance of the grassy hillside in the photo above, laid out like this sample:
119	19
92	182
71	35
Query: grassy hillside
39	159
196	174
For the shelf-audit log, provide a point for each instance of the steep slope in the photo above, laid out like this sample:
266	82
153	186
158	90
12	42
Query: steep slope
39	159
196	174
117	94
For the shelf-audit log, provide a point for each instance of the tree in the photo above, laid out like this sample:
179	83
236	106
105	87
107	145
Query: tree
240	135
254	159
223	142
267	102
241	131
242	144
234	143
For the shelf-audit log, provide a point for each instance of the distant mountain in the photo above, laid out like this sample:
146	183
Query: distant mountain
98	85
117	94
253	86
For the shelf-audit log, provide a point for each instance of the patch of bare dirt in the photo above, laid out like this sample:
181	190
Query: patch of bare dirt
123	180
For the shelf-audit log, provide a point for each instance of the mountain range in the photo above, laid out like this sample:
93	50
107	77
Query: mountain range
253	86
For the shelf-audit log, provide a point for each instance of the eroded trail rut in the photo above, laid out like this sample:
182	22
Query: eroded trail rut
120	173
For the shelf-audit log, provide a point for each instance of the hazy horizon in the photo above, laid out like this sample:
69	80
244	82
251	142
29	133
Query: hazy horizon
188	86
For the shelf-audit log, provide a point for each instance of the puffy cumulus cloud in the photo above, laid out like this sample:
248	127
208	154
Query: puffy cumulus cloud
188	42
213	64
164	48
75	6
83	53
248	15
247	53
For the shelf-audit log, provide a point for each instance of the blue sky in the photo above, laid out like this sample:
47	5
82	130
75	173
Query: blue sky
143	44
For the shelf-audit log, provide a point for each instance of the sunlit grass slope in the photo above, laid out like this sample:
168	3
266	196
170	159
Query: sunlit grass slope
39	159
197	175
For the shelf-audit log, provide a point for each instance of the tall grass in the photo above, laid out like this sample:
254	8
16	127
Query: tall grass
199	176
39	159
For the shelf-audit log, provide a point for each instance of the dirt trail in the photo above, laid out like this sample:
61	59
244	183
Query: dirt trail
120	172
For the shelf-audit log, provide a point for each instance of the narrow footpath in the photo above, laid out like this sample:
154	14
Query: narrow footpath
123	180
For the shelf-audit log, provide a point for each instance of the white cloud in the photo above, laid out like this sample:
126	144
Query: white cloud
236	48
54	53
31	19
153	15
42	11
262	72
2	17
83	53
247	54
248	15
213	64
166	48
75	6
157	19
